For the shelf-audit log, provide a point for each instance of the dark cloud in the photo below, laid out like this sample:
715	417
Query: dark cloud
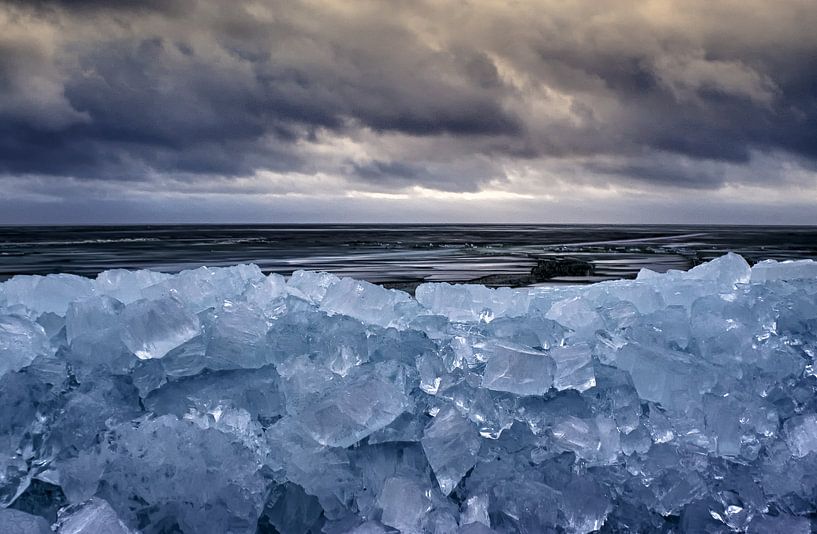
382	170
160	103
133	90
162	6
456	176
664	171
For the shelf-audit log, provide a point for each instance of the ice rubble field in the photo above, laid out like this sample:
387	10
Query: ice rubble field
221	400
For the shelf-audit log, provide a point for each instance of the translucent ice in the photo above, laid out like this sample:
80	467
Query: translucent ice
471	302
21	340
152	328
237	337
779	523
575	313
311	285
769	270
92	318
475	510
574	367
353	409
801	434
451	444
727	270
290	509
267	294
366	302
127	286
669	378
52	293
223	400
17	522
91	517
519	370
404	504
203	288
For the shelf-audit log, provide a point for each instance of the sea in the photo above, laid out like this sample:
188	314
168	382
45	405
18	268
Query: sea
399	256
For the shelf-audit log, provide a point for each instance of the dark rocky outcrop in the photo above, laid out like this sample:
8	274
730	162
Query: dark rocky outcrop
547	268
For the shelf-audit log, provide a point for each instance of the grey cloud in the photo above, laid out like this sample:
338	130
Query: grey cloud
43	6
125	90
382	170
664	171
454	176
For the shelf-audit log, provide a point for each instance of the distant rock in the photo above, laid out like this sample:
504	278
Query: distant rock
547	268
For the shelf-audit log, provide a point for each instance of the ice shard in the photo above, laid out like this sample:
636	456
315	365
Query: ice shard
91	517
518	370
17	522
451	444
152	328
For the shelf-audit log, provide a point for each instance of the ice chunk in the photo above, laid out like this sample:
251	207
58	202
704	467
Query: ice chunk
164	462
407	427
127	286
353	409
576	314
366	302
574	367
203	288
584	505
24	411
770	270
768	524
439	520
148	375
254	390
291	509
404	504
645	298
617	398
17	522
518	370
92	317
619	315
52	293
726	270
152	328
722	328
667	377
311	285
268	293
527	505
475	528
21	340
451	444
369	527
472	302
91	517
533	331
801	434
492	412
475	510
668	327
237	338
721	275
578	435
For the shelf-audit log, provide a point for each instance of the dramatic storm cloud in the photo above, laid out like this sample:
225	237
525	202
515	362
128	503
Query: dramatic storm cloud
368	110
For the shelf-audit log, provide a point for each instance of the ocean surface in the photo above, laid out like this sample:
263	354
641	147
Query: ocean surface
397	256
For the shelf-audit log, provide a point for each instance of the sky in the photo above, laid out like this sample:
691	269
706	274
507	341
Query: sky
541	111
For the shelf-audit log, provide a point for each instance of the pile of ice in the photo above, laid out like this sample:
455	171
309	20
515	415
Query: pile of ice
223	400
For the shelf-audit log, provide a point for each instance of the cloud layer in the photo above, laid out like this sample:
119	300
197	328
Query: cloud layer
544	99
